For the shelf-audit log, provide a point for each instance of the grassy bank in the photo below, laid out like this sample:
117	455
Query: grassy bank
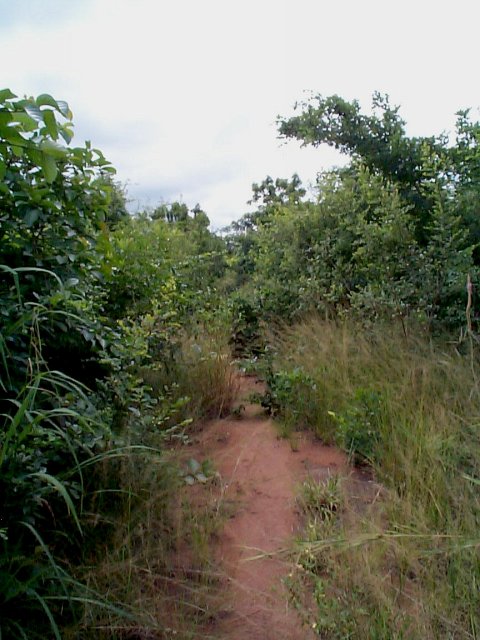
408	566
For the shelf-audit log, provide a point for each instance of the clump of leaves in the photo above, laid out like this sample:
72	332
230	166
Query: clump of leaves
291	395
359	426
246	337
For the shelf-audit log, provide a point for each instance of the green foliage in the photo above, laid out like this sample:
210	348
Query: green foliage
53	197
279	192
355	251
359	426
379	140
291	396
246	337
53	201
53	427
174	212
392	235
85	296
116	331
321	499
153	263
139	266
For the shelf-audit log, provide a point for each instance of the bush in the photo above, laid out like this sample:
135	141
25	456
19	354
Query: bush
360	426
291	396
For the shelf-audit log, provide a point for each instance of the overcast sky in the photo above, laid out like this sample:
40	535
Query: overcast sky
182	95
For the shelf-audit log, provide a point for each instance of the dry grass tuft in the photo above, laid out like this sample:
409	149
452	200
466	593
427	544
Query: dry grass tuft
207	375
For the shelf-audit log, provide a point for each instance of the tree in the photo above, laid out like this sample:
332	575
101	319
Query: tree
270	195
279	192
173	212
378	140
54	200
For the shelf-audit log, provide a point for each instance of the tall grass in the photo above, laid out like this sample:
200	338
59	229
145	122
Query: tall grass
152	552
202	373
42	485
207	374
158	563
408	407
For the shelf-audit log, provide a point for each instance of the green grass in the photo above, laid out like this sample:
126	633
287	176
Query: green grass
103	538
408	567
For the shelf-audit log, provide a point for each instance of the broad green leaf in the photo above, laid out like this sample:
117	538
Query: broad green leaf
31	217
34	112
28	123
53	149
10	135
49	167
35	156
5	117
64	109
66	133
18	151
50	123
6	94
3	169
46	99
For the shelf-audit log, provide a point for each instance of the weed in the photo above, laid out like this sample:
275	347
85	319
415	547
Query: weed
291	397
321	499
359	426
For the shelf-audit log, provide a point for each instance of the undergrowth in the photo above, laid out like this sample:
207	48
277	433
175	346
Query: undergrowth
152	553
201	376
158	563
407	566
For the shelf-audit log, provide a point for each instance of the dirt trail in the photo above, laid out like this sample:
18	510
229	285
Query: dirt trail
260	478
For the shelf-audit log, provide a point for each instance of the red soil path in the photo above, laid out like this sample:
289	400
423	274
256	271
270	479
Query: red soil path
260	478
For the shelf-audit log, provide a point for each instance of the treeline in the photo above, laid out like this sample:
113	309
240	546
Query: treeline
393	234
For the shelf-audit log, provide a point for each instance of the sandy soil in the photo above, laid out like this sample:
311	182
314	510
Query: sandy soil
260	476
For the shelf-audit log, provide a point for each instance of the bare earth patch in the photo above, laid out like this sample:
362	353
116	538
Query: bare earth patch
260	476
